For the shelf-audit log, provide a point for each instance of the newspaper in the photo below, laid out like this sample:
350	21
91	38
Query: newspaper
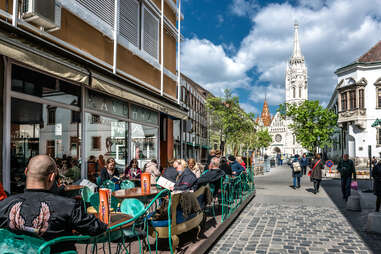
165	183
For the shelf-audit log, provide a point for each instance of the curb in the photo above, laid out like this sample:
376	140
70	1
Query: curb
206	245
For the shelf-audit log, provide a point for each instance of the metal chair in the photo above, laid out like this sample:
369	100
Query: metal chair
126	184
86	193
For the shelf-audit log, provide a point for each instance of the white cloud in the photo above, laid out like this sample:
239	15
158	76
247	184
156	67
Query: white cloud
249	108
244	7
332	34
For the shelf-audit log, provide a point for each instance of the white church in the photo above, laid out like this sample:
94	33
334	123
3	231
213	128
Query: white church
296	85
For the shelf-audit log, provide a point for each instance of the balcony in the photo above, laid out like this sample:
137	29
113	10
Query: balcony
354	116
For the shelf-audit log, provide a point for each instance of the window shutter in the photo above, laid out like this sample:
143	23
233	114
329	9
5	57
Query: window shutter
150	33
103	9
129	21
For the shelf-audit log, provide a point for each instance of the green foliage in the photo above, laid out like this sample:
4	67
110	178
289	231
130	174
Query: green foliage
312	124
233	125
262	139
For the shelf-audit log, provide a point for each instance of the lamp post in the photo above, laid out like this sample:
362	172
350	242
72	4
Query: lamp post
318	144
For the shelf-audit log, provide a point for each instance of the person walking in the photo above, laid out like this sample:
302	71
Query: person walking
304	163
376	174
296	171
346	168
316	172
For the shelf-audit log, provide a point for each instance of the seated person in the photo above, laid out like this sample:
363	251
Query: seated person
212	176
235	166
110	172
40	213
185	179
171	173
225	166
133	170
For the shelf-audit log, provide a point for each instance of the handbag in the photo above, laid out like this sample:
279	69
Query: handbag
310	172
354	185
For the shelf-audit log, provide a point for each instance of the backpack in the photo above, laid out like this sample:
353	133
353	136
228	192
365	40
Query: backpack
296	167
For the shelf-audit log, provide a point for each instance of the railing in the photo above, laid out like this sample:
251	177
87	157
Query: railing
235	190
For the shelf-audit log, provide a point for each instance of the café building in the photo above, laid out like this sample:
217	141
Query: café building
63	99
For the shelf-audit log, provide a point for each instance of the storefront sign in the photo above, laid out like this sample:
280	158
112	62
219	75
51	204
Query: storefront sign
106	104
141	114
58	129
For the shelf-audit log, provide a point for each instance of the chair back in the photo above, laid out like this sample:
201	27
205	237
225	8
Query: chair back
108	185
23	244
132	207
94	201
126	184
86	193
98	181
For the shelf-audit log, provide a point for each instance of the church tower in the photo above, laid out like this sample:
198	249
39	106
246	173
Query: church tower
296	74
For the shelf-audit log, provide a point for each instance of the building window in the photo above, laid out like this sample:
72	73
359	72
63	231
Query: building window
75	116
343	101
96	143
294	92
361	99
129	21
378	97
352	99
150	33
51	115
378	136
51	148
95	119
300	92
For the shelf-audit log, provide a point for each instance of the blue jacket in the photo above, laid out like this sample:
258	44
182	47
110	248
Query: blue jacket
186	180
236	167
304	162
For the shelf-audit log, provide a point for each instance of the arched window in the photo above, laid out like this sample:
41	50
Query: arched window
300	92
294	92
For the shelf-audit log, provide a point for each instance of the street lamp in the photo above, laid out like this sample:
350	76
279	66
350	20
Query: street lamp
318	148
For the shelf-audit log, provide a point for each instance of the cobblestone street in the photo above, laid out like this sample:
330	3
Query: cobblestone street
283	220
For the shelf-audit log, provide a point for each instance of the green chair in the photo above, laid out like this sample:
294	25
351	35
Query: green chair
86	194
94	202
108	185
131	207
126	184
21	244
98	179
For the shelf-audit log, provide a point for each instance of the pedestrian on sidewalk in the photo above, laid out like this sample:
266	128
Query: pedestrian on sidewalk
347	169
376	174
296	171
316	172
304	163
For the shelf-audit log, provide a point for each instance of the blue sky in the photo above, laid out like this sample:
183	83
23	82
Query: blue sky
245	44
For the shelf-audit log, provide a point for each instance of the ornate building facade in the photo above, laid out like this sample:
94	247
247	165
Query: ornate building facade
357	102
296	90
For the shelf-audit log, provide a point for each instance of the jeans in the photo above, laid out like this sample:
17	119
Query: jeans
316	185
346	187
304	170
296	180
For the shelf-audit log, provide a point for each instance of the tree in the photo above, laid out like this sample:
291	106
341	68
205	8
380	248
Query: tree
312	124
229	120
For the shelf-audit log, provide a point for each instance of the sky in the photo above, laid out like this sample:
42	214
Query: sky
244	45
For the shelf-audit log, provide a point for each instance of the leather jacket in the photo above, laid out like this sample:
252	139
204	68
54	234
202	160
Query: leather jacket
43	214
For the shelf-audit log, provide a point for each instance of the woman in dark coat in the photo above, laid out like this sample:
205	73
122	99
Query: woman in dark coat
316	172
376	174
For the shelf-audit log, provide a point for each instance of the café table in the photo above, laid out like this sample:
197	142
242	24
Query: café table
74	187
117	218
135	193
73	191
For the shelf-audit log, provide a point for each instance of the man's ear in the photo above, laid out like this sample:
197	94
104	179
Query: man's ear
52	177
26	171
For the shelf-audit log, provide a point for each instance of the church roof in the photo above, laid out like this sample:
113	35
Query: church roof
266	116
373	55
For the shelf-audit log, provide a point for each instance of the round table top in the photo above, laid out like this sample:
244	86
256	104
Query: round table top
117	218
135	193
73	187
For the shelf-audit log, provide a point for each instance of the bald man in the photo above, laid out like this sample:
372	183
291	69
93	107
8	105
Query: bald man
41	213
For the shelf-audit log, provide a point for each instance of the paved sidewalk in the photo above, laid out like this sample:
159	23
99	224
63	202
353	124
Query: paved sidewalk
283	220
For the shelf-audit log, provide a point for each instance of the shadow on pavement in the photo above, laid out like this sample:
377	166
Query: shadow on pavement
357	220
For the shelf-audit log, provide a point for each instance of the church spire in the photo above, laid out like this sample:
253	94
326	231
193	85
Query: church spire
266	116
297	51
